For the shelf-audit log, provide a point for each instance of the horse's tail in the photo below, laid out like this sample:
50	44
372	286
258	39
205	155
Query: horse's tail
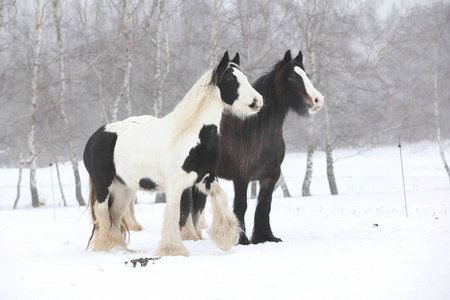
91	204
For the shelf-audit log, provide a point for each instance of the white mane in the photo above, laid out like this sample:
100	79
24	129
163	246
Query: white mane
187	113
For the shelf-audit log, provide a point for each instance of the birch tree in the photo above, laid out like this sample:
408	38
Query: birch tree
312	30
217	5
161	42
39	22
126	12
94	41
439	28
62	98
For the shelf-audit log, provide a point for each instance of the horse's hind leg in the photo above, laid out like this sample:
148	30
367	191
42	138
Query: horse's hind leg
130	218
192	218
224	231
262	231
109	214
109	236
187	227
119	208
198	210
240	207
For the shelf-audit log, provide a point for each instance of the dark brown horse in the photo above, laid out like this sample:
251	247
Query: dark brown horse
253	148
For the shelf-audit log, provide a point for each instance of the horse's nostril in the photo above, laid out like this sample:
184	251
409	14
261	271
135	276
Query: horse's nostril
317	100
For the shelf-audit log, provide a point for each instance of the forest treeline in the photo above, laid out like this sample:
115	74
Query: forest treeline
68	67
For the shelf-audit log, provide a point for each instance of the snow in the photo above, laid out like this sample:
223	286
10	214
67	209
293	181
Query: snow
358	245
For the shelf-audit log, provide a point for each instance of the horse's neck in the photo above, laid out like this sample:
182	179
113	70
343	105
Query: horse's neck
275	114
193	113
275	110
271	118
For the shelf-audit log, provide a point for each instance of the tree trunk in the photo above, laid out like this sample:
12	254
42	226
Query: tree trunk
98	72
253	190
160	198
329	153
62	92
244	31
159	76
283	185
309	160
60	183
126	13
34	98
213	38
267	8
437	102
19	180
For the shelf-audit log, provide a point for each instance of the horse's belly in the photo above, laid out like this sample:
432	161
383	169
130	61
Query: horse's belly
152	162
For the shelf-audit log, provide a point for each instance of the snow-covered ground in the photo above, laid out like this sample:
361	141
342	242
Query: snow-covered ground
358	245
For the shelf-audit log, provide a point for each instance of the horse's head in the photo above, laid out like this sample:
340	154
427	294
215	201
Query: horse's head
297	88
238	95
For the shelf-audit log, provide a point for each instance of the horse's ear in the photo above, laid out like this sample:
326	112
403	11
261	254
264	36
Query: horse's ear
220	69
236	59
287	57
299	56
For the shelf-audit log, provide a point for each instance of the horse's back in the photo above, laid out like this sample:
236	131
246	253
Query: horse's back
131	123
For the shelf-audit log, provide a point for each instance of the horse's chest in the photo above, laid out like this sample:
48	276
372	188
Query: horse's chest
204	157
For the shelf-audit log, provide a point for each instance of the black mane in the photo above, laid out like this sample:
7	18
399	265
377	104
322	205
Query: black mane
272	86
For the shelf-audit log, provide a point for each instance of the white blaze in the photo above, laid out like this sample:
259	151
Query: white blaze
311	90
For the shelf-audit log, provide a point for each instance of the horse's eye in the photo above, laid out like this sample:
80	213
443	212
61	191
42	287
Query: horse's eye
293	76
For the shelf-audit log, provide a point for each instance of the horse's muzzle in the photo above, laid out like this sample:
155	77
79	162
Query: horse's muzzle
317	104
257	104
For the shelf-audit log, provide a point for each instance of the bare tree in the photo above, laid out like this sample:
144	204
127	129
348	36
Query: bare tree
19	180
62	98
306	186
213	38
439	24
126	12
160	77
161	42
39	23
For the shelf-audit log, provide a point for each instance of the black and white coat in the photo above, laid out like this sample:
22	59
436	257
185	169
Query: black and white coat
168	154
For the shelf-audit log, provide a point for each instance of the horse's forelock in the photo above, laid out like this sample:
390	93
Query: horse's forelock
216	79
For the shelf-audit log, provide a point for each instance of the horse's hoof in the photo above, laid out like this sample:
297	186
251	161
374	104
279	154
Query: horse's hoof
243	240
171	251
189	236
225	235
188	233
136	227
261	239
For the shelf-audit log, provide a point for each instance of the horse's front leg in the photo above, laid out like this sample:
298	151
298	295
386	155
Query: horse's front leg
224	231
171	244
262	231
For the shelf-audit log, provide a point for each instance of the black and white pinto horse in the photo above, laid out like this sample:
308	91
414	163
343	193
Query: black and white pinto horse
254	148
169	154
